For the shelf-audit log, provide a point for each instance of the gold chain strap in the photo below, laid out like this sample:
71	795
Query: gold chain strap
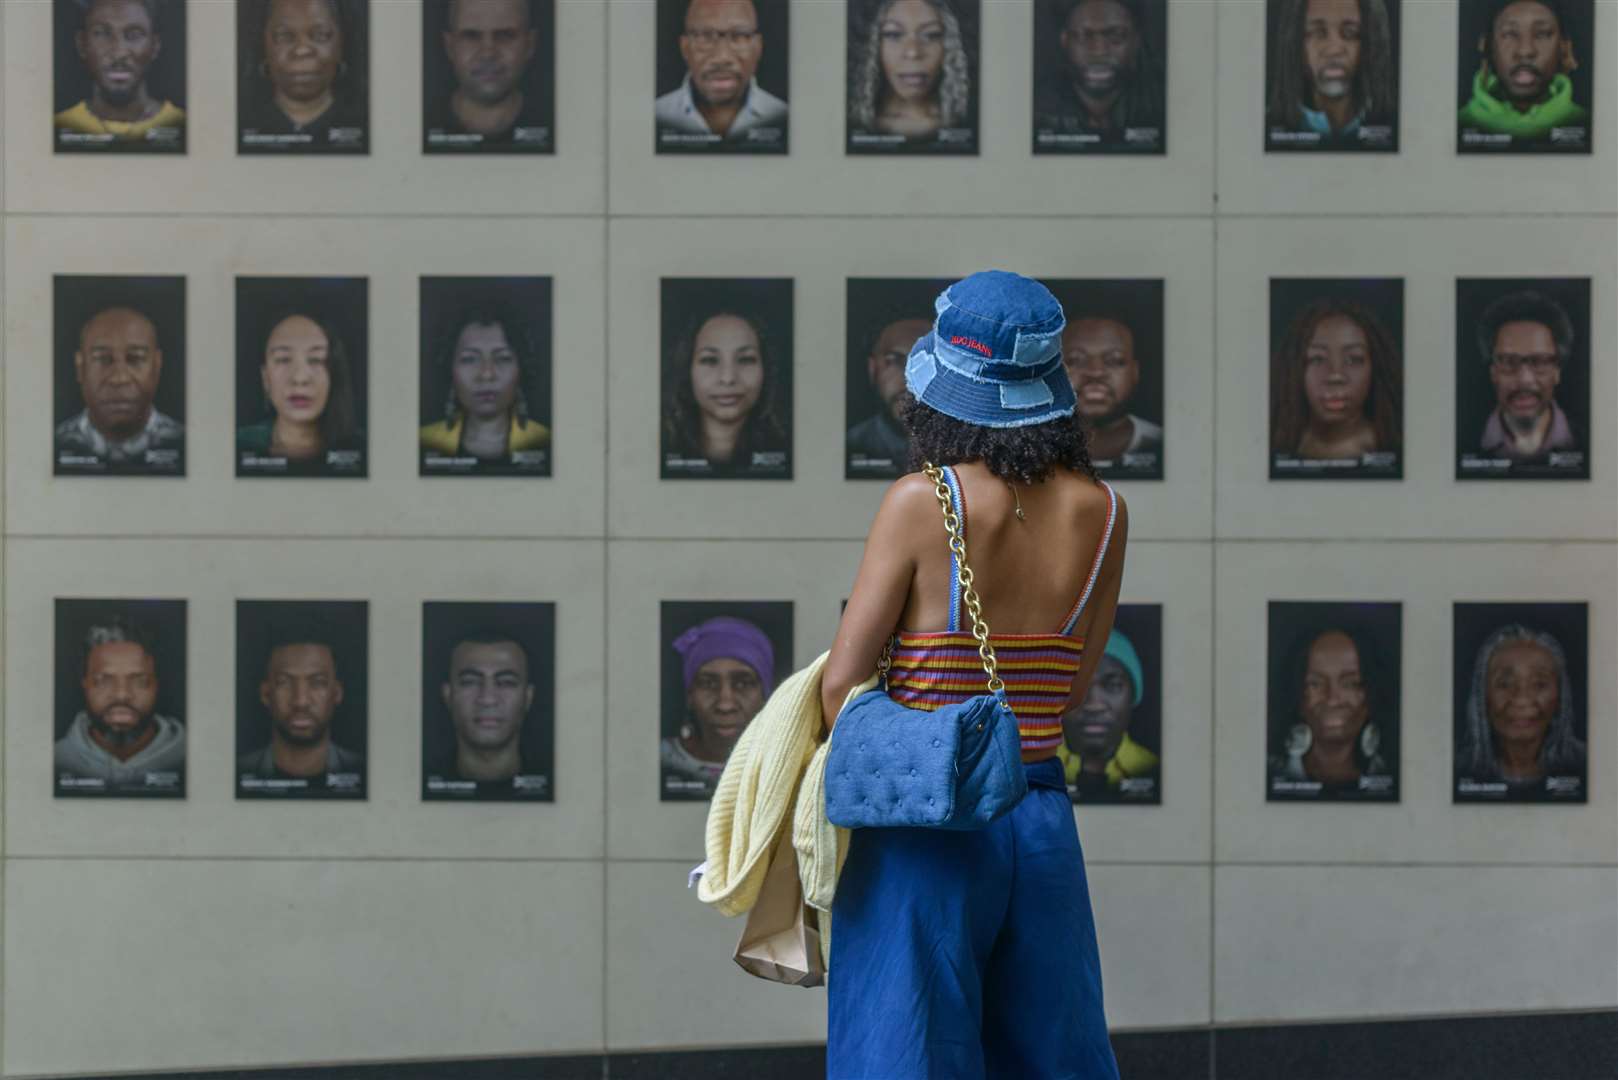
974	607
969	596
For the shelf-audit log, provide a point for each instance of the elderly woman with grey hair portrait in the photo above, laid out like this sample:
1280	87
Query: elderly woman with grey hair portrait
1518	726
908	73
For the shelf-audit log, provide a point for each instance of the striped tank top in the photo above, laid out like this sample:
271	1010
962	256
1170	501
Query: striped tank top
931	670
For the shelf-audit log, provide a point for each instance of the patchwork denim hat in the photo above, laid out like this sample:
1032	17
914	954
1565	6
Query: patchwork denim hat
994	357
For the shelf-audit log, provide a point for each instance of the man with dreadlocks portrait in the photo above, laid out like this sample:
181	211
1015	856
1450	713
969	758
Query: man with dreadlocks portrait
1333	76
1522	93
1099	83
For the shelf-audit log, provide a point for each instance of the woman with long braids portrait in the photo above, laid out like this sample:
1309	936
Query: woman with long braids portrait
1336	386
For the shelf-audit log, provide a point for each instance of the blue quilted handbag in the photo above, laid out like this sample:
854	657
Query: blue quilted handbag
959	767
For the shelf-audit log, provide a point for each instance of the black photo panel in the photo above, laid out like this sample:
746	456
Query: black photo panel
1333	732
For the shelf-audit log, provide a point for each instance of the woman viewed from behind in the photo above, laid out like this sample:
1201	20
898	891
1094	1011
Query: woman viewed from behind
969	954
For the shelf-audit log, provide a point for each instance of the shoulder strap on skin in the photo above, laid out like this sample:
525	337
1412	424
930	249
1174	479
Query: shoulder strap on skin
1095	567
957	499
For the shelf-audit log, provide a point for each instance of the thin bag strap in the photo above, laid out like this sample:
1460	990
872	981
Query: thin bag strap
963	577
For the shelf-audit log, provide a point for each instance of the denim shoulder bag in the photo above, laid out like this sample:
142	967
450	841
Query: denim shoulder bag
958	767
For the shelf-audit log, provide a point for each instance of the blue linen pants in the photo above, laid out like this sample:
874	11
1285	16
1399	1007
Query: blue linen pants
968	955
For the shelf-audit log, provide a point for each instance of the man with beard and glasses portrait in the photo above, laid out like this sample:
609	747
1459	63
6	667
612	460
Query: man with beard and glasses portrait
1526	338
1522	90
300	691
118	743
117	42
880	441
1109	90
1099	354
487	694
1334	76
491	46
719	99
117	366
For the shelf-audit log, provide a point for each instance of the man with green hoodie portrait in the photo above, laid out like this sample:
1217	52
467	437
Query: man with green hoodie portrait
1522	91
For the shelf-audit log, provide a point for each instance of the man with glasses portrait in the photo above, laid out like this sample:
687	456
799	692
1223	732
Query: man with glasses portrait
1525	338
720	97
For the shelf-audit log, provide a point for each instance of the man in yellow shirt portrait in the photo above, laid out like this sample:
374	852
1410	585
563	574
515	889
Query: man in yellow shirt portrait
117	42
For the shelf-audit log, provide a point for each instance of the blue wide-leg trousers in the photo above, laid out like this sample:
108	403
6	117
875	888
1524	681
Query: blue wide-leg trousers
969	955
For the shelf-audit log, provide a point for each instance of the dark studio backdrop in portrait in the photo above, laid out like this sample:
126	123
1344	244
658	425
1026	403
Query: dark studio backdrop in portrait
1336	379
1521	700
1100	77
301	678
1112	743
488	76
719	662
1525	77
119	76
912	77
303	77
885	318
1113	350
1332	76
1522	379
1334	702
485	376
493	736
722	81
118	374
726	401
301	392
120	724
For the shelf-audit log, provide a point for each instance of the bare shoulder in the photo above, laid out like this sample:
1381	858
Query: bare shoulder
907	501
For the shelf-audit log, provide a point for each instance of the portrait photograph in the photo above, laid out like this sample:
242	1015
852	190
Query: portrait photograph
1336	379
119	79
722	82
1332	76
886	317
720	661
1525	77
485	376
1333	733
300	377
118	376
1112	348
1100	77
488	76
727	378
303	77
1521	703
912	77
1112	743
301	668
1522	379
488	702
120	699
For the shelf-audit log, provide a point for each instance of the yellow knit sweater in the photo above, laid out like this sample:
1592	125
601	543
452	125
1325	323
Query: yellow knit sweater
779	764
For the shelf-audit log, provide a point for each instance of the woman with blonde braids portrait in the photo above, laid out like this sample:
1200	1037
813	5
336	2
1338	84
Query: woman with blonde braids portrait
910	75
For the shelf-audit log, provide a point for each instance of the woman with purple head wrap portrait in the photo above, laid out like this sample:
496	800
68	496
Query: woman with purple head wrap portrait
727	666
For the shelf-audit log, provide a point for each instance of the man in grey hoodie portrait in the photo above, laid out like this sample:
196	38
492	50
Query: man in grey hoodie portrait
118	743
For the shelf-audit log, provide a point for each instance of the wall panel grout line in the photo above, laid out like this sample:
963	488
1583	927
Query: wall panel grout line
606	546
1213	579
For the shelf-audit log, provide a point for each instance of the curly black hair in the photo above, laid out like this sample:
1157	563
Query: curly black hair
1025	454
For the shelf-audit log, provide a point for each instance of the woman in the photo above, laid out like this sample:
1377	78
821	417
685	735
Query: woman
486	364
960	951
305	376
1335	385
1336	692
1519	714
728	665
308	79
720	395
910	74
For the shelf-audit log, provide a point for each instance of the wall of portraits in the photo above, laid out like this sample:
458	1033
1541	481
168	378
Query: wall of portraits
484	402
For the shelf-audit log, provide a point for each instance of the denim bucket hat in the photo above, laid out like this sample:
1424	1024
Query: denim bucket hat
994	356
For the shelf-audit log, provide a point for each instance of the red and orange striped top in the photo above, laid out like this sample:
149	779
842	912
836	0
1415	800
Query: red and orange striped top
931	670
